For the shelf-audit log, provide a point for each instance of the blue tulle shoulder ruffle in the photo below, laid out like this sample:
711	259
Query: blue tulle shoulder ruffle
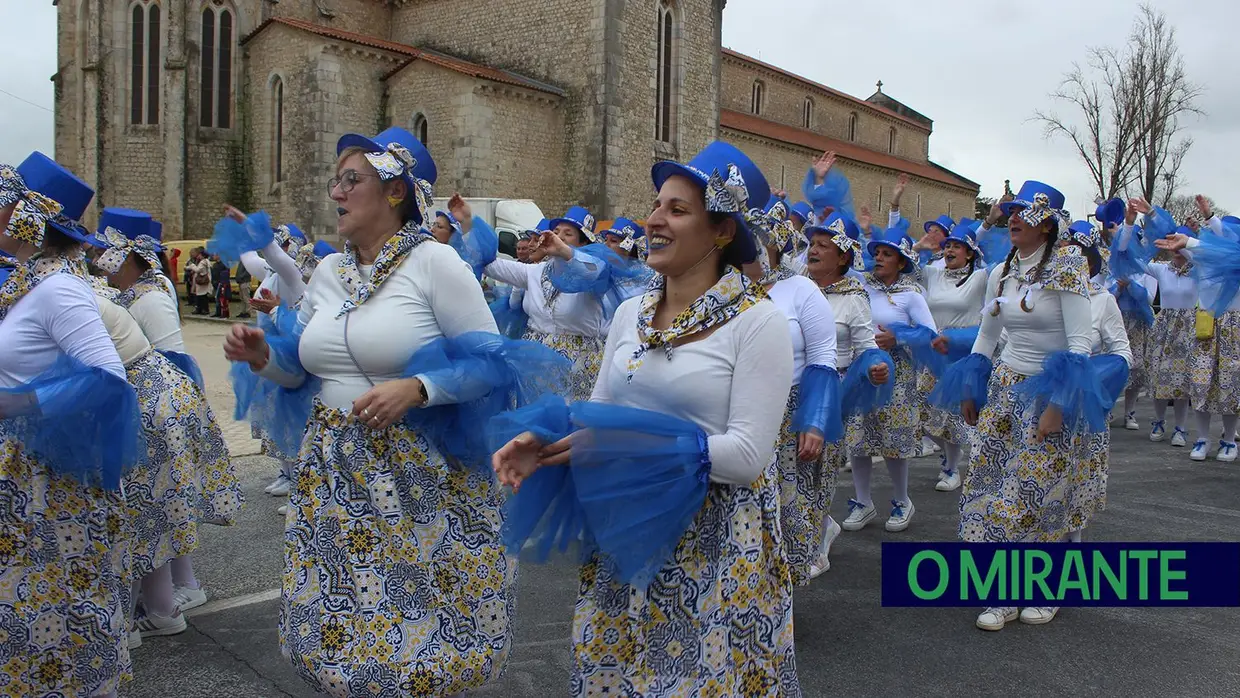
188	366
995	244
857	394
598	270
282	413
509	312
819	407
479	248
915	340
1112	371
1131	259
81	422
1134	301
966	379
1069	382
1216	266
231	239
476	376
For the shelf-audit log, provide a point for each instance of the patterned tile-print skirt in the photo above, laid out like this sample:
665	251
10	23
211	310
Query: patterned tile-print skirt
1089	480
1215	368
63	582
188	478
586	353
395	581
895	430
1016	490
941	423
805	491
715	623
1139	343
1172	341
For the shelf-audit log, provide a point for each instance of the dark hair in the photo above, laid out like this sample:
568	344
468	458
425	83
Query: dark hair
57	241
1092	255
1051	241
972	267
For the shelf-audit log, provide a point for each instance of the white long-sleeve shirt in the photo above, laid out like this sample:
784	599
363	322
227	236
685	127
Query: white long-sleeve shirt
127	335
572	313
1057	321
1108	335
60	315
733	384
811	323
1176	291
908	307
854	329
432	294
156	314
952	305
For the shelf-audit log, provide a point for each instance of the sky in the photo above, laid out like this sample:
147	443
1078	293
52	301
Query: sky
979	68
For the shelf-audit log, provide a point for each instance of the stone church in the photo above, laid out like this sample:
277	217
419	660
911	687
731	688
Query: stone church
178	106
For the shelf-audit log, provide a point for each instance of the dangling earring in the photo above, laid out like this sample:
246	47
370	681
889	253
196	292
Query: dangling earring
722	241
394	201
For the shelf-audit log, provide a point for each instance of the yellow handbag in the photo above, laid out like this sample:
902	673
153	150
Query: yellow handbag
1205	325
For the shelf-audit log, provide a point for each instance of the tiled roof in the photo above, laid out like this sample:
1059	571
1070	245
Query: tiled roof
819	86
758	126
414	53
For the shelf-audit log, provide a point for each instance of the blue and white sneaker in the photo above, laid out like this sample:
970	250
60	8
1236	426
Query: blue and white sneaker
1180	438
1226	452
901	515
858	516
1158	430
1200	450
1130	422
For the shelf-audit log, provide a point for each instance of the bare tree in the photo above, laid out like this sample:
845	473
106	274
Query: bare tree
1128	104
1184	206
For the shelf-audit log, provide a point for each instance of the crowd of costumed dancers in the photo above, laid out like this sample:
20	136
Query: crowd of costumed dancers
668	404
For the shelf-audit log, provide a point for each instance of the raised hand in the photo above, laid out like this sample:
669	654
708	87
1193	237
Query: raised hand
248	344
822	165
898	192
864	218
1140	205
1203	205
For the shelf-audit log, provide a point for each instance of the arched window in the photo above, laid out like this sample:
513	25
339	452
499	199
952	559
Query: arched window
277	130
807	116
666	76
759	92
852	127
144	44
891	140
419	128
215	67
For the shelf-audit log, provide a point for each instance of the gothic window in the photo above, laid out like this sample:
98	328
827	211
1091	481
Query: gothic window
807	115
852	127
891	140
277	130
215	66
759	92
666	74
419	128
144	44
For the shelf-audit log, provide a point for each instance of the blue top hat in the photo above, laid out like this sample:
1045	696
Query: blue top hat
127	221
397	153
579	218
322	248
944	222
1083	233
157	231
965	233
1110	213
295	232
51	179
803	211
625	228
899	240
738	187
1036	203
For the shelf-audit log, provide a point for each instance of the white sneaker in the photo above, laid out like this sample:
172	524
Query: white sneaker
823	562
1038	615
858	516
1226	452
275	482
135	639
1130	422
995	618
283	510
151	625
1158	430
928	447
188	598
901	515
948	481
1200	449
280	487
1180	438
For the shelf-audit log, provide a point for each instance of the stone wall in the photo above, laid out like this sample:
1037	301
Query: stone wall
372	17
871	186
784	100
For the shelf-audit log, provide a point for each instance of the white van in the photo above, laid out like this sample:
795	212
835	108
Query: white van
508	217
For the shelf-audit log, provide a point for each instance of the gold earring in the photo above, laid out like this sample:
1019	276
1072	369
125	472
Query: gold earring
722	241
394	201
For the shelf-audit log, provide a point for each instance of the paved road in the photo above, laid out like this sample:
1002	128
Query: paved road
847	644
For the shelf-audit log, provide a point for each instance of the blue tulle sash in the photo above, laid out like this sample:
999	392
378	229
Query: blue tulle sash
915	340
479	249
965	380
960	341
1216	266
995	244
188	366
835	193
1134	301
1069	382
81	422
282	413
597	269
819	407
1112	371
857	394
1131	260
480	375
231	239
509	312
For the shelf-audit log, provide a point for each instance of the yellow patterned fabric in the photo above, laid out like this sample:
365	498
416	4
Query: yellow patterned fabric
586	353
1172	343
395	580
1017	490
893	431
805	492
63	582
1214	368
715	623
940	423
1139	343
30	216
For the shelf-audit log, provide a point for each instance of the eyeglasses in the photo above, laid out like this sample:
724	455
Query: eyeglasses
346	181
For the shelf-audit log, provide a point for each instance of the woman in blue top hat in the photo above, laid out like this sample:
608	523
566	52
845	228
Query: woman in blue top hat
892	432
1043	396
955	293
394	520
199	483
673	469
69	428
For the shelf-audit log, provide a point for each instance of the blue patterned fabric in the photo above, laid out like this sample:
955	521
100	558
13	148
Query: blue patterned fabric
966	379
819	407
187	364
